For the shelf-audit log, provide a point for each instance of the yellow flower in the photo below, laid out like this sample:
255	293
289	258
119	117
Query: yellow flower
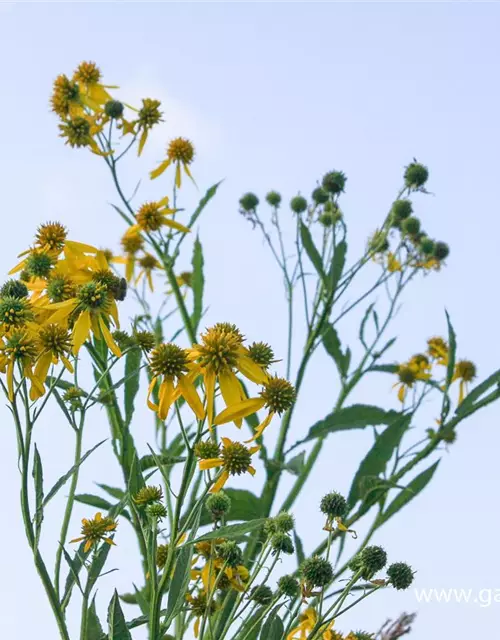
93	93
149	115
154	215
277	395
95	530
180	152
465	371
408	374
54	344
218	356
92	309
437	348
200	607
20	348
307	622
148	263
65	99
80	131
235	459
393	264
171	364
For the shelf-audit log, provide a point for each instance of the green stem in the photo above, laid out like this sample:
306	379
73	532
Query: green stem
69	505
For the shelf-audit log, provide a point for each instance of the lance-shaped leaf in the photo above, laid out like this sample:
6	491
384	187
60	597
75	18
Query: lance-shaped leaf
375	462
273	628
311	250
198	284
132	380
231	530
117	627
94	630
38	479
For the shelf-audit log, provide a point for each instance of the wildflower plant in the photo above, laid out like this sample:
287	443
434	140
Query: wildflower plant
211	555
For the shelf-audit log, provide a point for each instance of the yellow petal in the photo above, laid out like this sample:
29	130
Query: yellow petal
176	225
188	391
221	481
210	463
150	404
142	141
260	429
81	331
209	379
109	338
166	398
231	391
159	169
251	370
178	175
239	410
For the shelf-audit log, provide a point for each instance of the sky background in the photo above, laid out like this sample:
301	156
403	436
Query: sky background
273	95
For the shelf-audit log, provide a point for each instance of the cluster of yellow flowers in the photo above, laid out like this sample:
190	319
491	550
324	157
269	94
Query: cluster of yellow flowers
64	293
419	367
307	622
85	106
216	361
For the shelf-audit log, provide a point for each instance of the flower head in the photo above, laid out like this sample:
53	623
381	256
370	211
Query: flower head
149	115
95	530
180	152
465	371
437	348
408	374
65	100
234	458
148	494
51	237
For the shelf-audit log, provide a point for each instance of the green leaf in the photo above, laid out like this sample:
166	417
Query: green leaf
75	564
337	266
203	203
231	530
385	368
148	462
408	493
63	479
357	416
375	462
136	479
132	380
296	464
117	626
244	506
452	349
97	565
332	345
93	501
198	283
362	326
312	252
474	394
38	479
94	629
299	548
273	628
113	491
124	215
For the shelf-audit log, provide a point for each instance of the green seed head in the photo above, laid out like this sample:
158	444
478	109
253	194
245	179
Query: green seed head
273	198
289	586
218	504
298	204
333	505
317	571
416	175
249	202
334	182
262	594
14	289
400	575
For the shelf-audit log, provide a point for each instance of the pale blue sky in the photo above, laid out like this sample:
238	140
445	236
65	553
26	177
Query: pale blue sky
273	95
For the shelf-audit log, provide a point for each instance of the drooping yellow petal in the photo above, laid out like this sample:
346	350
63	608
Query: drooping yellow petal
81	331
109	338
401	393
262	426
209	379
178	175
173	224
142	141
160	169
43	365
151	404
166	397
251	370
239	410
188	391
10	380
210	463
221	481
231	391
197	627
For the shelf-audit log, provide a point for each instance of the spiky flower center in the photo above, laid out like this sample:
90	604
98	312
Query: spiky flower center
87	73
278	394
236	457
93	295
144	339
51	236
115	285
149	262
149	217
55	339
200	606
181	150
14	289
60	288
437	347
39	264
168	360
20	347
407	374
76	131
219	350
15	311
161	555
149	114
148	494
420	360
64	93
206	449
466	370
96	528
132	243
